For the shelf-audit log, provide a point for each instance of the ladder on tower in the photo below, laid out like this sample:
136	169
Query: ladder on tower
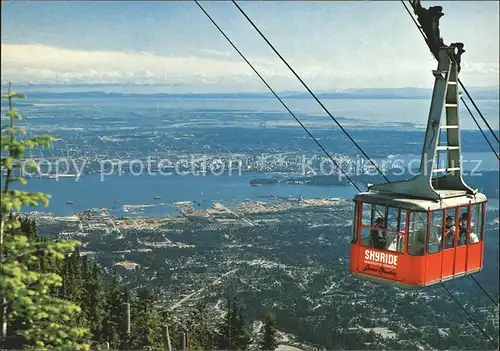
450	144
436	179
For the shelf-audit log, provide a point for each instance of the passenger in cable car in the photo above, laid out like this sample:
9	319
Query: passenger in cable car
473	238
378	236
435	239
462	230
449	232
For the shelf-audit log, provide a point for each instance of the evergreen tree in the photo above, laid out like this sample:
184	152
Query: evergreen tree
93	299
114	332
233	334
25	293
241	334
269	339
146	323
175	333
71	288
224	335
28	228
47	264
202	335
33	230
17	325
73	284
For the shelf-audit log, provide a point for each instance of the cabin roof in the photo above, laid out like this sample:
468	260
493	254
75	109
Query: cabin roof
416	204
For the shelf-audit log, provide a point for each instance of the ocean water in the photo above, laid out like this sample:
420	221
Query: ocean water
90	191
139	127
353	112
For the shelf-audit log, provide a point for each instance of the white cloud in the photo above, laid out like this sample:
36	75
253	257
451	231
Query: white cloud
481	68
212	52
35	63
46	64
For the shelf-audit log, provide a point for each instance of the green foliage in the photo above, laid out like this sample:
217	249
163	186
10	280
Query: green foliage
114	325
55	298
269	339
233	332
202	335
25	291
146	331
93	299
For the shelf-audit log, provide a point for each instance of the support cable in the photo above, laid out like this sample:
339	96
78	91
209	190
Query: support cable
307	88
470	316
484	290
276	95
480	129
477	109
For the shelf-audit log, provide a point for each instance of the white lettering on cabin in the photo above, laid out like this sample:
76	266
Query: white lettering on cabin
381	258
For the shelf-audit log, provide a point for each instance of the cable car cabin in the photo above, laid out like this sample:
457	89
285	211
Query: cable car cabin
414	242
429	228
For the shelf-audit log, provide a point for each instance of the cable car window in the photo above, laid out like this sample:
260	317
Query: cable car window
417	233
402	230
402	221
401	243
366	222
355	223
449	229
379	228
436	231
392	218
366	236
367	214
378	232
463	225
476	224
394	240
379	216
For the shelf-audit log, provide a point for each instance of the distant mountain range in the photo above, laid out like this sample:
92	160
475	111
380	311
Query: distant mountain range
42	91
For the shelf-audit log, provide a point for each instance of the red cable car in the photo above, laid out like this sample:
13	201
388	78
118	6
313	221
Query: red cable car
430	228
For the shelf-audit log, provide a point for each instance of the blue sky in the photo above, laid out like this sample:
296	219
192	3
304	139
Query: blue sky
333	45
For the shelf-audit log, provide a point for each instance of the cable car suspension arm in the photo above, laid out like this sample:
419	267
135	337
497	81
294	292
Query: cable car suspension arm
438	41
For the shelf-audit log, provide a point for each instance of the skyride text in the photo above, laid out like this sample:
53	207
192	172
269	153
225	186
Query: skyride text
383	259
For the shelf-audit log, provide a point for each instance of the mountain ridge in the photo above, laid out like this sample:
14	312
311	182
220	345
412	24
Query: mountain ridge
479	93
